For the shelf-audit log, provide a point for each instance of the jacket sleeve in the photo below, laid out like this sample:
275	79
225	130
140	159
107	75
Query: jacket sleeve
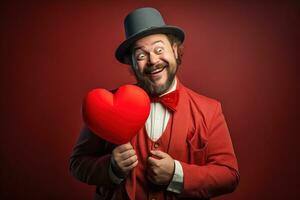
219	173
90	159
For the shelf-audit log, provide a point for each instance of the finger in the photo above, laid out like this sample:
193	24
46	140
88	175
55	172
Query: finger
150	178
159	153
124	147
129	161
153	161
127	154
151	171
130	167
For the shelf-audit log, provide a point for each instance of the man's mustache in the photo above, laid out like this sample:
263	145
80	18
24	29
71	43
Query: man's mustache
150	68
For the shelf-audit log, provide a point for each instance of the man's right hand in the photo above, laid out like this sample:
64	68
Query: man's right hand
124	158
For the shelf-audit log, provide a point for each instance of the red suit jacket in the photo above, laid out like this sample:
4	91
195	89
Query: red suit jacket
200	140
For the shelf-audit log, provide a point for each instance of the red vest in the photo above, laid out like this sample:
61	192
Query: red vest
143	187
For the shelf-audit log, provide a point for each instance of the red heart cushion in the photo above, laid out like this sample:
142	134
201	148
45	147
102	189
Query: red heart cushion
116	117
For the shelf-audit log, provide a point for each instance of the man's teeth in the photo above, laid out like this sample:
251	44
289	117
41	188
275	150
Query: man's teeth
157	71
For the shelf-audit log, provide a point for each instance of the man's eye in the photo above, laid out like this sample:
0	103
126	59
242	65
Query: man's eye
159	50
141	56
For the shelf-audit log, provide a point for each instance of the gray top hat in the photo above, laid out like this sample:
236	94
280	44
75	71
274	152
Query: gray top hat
143	22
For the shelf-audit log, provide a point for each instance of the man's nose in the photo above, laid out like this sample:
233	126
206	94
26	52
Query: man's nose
153	58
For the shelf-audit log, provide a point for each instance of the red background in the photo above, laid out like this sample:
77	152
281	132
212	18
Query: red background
52	54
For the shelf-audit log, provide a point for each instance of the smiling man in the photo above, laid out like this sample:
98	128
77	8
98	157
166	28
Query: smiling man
154	62
184	150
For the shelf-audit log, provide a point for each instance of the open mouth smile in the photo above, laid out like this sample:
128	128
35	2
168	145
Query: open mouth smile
156	71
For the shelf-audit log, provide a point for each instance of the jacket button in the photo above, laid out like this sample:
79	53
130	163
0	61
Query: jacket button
156	145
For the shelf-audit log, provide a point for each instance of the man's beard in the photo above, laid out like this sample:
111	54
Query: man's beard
145	82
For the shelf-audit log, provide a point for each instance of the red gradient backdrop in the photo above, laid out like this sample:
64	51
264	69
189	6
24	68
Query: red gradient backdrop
52	54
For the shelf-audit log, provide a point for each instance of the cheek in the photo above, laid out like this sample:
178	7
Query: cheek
141	66
171	62
169	57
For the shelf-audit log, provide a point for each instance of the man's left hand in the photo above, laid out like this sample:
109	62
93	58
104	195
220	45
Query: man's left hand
160	168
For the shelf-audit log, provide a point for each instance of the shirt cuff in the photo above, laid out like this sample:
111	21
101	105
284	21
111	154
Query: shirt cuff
176	184
114	178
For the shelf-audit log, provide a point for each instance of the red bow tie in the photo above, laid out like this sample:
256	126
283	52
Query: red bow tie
169	100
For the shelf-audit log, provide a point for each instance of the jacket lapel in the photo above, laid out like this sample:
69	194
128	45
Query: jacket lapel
180	125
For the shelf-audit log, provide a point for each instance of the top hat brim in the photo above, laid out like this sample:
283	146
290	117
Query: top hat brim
124	48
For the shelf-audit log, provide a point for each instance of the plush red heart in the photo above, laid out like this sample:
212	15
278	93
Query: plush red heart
116	117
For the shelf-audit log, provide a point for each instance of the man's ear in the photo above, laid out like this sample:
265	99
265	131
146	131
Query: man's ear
175	50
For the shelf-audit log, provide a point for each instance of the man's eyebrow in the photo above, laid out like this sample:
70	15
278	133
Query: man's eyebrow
157	42
141	47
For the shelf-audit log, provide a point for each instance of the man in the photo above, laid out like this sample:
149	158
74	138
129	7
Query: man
184	150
